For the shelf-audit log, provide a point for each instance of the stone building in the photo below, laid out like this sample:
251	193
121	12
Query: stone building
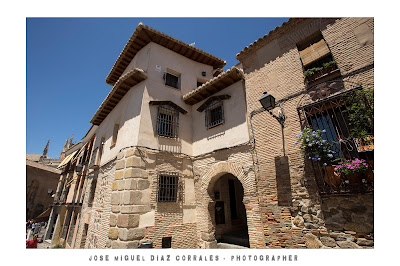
183	155
41	184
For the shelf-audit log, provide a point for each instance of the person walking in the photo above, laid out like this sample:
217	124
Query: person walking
32	243
37	228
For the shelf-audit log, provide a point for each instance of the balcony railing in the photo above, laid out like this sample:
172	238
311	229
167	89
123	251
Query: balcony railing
330	183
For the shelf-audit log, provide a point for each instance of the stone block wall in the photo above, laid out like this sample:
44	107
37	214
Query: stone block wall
349	213
137	215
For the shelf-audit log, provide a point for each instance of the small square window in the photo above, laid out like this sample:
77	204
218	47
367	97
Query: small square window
171	80
115	134
168	187
167	121
166	242
214	114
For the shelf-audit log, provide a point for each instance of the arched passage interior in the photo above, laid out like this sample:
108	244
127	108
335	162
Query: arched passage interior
227	211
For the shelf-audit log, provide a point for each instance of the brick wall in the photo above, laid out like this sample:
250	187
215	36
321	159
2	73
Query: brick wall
286	180
99	223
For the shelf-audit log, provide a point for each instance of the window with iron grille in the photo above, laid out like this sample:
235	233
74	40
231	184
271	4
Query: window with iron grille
167	121
171	80
168	187
332	117
214	114
339	122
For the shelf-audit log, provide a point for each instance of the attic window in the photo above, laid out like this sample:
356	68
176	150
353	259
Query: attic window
318	62
171	80
115	134
313	49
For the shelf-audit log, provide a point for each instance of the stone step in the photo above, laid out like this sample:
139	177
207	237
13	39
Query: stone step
229	246
235	240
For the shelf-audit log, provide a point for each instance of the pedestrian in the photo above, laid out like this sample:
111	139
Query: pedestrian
32	243
33	227
37	228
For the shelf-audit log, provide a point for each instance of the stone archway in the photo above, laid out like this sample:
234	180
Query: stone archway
206	218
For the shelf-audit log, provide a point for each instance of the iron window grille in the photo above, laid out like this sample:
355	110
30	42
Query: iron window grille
169	187
214	114
167	121
171	80
331	116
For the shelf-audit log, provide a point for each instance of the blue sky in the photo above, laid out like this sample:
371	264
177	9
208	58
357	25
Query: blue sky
68	59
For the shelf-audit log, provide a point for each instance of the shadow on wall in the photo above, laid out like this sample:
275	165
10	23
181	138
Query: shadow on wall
281	45
283	184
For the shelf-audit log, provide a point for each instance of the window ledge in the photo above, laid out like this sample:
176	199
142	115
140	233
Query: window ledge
171	138
219	125
172	87
323	77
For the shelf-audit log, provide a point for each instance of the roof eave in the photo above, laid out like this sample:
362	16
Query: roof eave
148	36
135	76
222	81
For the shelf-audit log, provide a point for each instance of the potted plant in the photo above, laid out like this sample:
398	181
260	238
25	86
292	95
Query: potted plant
317	149
330	66
361	114
353	170
315	72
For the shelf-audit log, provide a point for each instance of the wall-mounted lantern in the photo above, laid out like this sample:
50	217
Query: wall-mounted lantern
267	101
78	168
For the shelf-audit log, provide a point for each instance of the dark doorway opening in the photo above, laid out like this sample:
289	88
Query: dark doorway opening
229	212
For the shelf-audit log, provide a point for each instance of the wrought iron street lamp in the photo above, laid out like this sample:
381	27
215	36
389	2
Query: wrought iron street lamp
267	101
78	168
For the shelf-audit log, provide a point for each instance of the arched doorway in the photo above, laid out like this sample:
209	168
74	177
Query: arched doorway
227	211
248	217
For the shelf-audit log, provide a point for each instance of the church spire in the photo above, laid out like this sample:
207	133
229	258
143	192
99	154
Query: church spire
70	141
46	149
65	144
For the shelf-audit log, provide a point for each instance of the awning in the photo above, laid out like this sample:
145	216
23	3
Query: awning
66	160
82	150
44	216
